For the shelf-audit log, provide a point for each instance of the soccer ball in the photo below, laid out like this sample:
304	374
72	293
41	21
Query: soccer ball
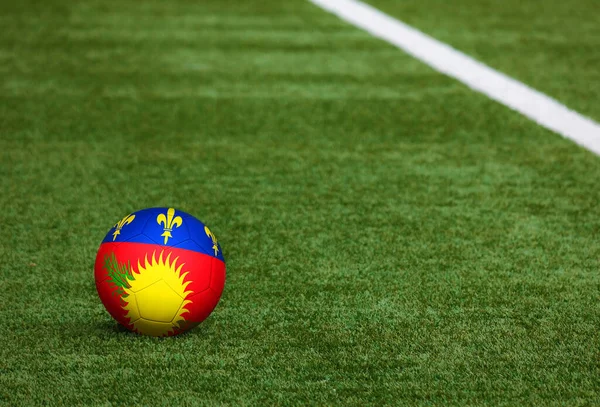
159	272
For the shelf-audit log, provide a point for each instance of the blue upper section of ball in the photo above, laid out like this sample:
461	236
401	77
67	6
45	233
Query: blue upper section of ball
165	227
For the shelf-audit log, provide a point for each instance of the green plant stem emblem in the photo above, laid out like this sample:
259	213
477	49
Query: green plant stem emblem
120	273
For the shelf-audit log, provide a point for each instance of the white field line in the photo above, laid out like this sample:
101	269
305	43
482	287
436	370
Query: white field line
535	105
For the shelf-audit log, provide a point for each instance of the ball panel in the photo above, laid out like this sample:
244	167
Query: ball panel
198	233
154	328
165	228
128	226
184	326
131	305
202	304
109	295
100	273
158	302
191	244
199	236
198	267
217	280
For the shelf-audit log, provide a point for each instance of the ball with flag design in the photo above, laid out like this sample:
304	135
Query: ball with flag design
159	271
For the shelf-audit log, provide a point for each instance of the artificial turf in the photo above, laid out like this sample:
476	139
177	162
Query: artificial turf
391	237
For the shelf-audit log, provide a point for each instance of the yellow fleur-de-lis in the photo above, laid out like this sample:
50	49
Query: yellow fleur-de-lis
214	239
119	225
169	222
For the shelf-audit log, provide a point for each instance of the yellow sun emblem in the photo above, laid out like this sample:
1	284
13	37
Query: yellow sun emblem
156	297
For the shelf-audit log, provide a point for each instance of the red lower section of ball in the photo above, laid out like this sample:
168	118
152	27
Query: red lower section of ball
206	278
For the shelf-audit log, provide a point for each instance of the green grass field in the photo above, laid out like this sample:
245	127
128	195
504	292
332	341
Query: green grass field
391	236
